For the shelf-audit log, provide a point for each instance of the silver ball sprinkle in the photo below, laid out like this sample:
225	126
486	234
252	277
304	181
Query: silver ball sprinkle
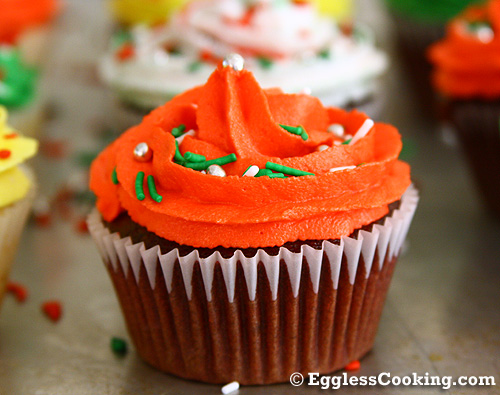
216	170
485	34
143	153
235	61
322	147
337	129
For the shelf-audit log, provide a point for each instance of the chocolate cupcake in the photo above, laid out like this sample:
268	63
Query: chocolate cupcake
466	77
249	233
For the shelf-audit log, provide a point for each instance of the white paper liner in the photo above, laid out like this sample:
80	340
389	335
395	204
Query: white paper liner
386	239
12	220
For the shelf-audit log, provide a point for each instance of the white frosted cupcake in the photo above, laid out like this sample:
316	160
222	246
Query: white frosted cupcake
285	44
17	192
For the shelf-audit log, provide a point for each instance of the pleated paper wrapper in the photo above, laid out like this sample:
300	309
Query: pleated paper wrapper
12	221
255	320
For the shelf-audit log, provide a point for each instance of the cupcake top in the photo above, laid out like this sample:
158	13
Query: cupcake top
14	150
229	164
17	80
18	15
132	12
467	60
285	43
432	11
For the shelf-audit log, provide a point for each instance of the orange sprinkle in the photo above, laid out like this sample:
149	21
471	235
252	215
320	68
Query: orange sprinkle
354	365
5	154
18	290
53	310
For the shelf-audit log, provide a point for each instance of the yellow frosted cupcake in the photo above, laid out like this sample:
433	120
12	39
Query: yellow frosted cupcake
340	10
132	12
17	191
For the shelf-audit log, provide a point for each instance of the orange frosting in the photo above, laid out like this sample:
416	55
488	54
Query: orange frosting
18	15
232	114
467	61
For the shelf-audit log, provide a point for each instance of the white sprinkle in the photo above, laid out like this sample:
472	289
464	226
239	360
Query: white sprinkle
306	91
341	168
235	61
142	152
322	147
485	34
181	138
337	129
251	171
363	131
347	137
216	170
337	142
231	387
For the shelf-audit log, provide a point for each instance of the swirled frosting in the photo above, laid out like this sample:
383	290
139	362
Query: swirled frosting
131	12
17	80
355	177
14	150
432	11
467	60
18	15
285	43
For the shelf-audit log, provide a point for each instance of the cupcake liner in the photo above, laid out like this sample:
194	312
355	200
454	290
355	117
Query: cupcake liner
255	319
476	122
12	220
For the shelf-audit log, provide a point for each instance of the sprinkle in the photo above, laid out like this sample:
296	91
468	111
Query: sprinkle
287	170
251	171
126	52
337	129
324	54
53	310
362	132
194	66
181	139
341	168
224	160
82	227
347	142
277	175
265	63
322	147
143	153
178	156
139	188
119	346
263	173
231	387
5	154
114	177
216	170
152	190
354	365
235	61
298	130
10	136
18	290
179	130
195	158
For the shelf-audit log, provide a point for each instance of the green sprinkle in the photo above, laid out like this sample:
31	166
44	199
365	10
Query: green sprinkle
298	130
114	177
139	188
346	142
263	173
361	164
265	63
178	156
324	54
119	346
178	131
287	170
195	158
277	175
219	161
152	190
194	66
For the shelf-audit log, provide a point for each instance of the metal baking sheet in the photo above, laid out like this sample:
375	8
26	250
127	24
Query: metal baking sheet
442	314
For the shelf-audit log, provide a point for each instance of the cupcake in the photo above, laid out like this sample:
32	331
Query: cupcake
420	23
18	93
251	233
150	12
466	74
285	43
17	192
340	10
24	22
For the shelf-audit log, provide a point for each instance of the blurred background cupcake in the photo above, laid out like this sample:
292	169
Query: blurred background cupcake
419	23
17	192
26	24
285	44
467	76
149	12
340	10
